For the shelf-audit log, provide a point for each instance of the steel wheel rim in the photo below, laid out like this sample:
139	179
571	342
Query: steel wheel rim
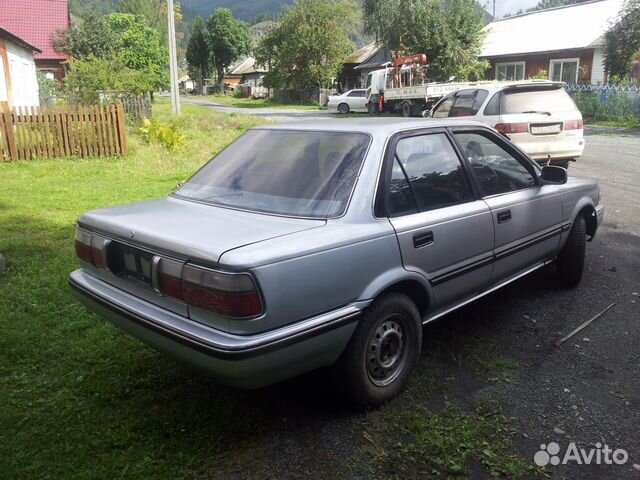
386	352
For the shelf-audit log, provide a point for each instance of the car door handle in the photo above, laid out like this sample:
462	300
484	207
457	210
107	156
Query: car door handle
504	216
423	239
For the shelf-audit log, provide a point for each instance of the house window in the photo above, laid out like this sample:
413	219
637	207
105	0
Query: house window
510	71
564	70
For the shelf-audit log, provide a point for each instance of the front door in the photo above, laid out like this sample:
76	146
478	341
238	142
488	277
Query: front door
443	232
527	215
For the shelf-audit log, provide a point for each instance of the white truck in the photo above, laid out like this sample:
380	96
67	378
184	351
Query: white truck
403	87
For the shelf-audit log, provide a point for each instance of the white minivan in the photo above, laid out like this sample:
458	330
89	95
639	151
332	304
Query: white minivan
538	116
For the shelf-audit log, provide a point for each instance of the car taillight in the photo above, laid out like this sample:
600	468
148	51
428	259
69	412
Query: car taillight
507	128
83	246
573	124
91	248
166	277
230	294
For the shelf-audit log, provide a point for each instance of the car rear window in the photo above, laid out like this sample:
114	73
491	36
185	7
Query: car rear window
284	172
536	100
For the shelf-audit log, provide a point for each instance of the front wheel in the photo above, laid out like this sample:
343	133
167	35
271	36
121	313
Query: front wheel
373	109
570	262
382	352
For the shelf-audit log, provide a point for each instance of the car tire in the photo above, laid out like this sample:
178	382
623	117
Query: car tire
406	109
570	261
378	360
343	108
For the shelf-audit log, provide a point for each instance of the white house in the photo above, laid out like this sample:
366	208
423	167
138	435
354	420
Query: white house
566	43
18	80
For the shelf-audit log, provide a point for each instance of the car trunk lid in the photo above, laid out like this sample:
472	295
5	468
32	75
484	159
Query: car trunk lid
189	230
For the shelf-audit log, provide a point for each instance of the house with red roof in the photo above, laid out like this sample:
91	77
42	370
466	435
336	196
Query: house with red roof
37	22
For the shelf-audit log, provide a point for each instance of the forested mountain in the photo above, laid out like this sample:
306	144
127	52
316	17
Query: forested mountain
247	10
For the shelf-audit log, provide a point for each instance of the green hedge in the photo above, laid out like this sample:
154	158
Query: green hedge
611	107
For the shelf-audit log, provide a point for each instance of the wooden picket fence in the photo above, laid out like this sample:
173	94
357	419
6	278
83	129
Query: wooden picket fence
84	131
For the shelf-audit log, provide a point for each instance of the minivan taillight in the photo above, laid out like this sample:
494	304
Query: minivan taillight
573	124
506	128
229	294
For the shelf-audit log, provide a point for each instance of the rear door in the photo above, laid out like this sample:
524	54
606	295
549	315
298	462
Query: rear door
443	230
357	100
527	215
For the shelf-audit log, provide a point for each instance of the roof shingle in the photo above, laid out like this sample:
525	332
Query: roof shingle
36	21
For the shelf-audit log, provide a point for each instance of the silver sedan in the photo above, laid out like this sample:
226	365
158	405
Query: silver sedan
331	243
351	101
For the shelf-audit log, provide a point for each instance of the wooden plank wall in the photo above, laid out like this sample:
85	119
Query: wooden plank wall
86	131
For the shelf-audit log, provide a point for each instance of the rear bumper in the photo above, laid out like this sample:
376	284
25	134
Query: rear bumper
245	361
559	150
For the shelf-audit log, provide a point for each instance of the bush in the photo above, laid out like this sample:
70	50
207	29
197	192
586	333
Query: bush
619	107
153	131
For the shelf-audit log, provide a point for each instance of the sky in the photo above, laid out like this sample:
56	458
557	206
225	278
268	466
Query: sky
507	6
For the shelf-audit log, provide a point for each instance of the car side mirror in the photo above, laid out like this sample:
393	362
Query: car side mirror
426	113
554	175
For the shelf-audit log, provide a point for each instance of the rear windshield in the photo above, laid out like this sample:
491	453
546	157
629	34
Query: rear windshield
293	173
545	100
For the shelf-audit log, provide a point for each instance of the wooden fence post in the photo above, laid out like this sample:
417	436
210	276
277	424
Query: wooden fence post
9	132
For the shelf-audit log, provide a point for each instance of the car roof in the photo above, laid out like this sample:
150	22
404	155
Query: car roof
494	86
373	126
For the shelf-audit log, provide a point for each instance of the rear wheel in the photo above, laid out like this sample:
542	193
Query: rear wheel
343	108
382	352
406	109
570	262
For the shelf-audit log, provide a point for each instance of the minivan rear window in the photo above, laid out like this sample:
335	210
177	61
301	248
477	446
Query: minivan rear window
538	100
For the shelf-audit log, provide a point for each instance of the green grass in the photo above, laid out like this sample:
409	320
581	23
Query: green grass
79	399
448	442
232	101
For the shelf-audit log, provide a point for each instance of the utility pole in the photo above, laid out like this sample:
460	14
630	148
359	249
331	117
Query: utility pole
173	59
494	10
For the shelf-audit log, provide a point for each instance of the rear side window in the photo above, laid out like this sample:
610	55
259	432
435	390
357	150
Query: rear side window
357	93
432	173
464	103
538	100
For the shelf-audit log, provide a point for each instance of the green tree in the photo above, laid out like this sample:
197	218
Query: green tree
228	40
155	13
198	55
91	36
448	31
307	46
92	77
622	41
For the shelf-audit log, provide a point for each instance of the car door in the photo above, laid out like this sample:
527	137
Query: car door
527	215
357	100
443	230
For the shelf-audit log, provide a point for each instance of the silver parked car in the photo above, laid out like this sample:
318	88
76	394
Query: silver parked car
351	101
331	243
